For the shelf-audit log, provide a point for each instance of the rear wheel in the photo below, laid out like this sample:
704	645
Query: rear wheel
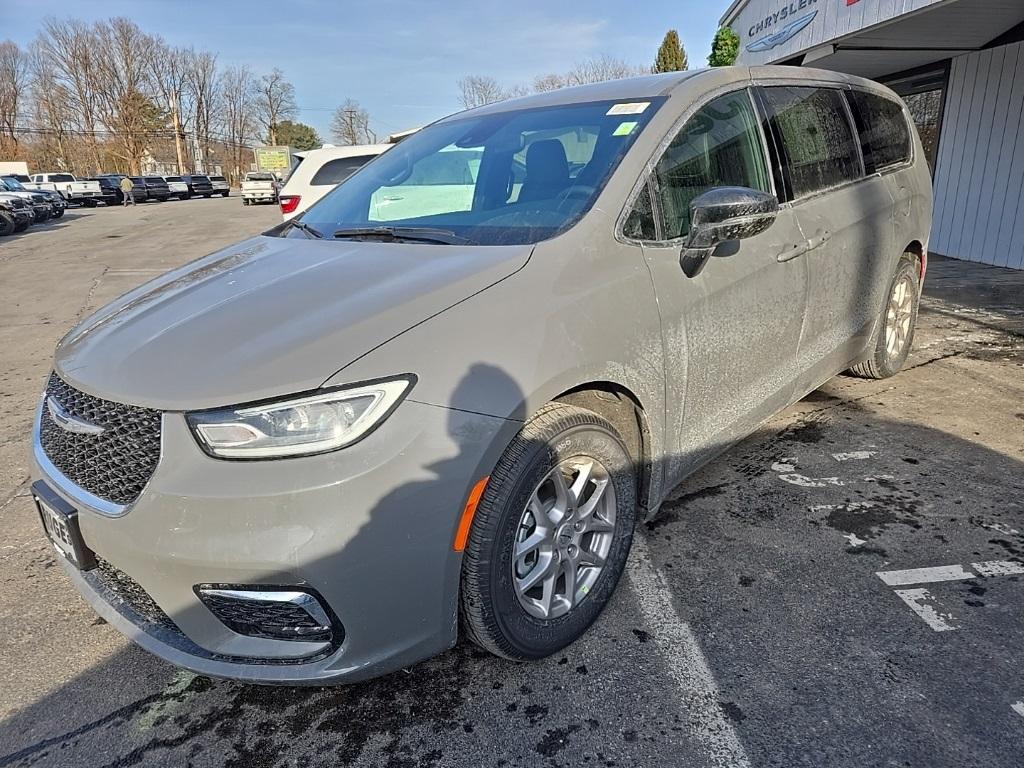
89	203
551	535
21	226
58	213
894	335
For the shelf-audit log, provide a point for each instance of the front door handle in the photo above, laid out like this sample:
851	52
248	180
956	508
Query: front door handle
805	247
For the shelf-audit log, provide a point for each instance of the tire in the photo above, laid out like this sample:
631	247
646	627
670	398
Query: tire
226	193
7	225
21	227
245	201
59	213
894	335
494	612
89	202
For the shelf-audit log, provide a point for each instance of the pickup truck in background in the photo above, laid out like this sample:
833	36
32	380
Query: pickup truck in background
71	189
259	187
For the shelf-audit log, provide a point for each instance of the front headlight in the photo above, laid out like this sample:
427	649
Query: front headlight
299	426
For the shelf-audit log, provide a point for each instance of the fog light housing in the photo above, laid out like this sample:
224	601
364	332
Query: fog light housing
273	613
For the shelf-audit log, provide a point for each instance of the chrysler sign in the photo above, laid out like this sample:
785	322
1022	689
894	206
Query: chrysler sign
781	25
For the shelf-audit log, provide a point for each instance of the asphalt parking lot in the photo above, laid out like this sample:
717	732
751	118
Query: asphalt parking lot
843	588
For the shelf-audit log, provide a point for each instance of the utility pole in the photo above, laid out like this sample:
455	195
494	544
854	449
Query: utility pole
179	147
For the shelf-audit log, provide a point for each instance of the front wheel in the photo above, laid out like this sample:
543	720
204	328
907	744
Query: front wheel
894	334
550	536
7	225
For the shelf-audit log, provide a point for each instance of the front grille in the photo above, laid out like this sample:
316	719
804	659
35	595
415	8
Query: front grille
114	465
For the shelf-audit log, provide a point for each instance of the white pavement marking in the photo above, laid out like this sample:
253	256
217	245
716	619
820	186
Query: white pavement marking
1018	708
854	455
926	606
787	473
925	575
998	568
685	661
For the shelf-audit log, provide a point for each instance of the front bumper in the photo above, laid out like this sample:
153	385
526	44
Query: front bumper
369	528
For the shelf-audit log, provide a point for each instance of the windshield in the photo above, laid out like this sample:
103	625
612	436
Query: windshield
505	178
12	184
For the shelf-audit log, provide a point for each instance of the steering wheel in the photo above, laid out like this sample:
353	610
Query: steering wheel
584	191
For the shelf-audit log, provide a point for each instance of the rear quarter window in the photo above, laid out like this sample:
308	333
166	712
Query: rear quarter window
883	129
337	170
820	150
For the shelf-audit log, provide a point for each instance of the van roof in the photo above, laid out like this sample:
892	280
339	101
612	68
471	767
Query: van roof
650	86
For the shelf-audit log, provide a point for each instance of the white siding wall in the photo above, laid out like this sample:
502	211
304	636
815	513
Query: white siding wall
835	19
980	168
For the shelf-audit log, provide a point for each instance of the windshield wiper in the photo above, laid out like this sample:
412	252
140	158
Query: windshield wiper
398	234
310	231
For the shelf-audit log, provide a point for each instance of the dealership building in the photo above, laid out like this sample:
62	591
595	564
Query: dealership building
959	65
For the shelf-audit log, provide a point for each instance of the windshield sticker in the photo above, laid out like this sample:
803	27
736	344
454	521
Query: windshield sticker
625	129
628	108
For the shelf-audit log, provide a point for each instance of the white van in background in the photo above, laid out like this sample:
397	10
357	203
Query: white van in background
321	170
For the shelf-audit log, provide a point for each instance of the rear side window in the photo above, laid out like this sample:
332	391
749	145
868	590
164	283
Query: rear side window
884	134
337	170
818	143
62	177
720	146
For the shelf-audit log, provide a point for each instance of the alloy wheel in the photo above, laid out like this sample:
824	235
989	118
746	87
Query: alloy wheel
899	315
563	538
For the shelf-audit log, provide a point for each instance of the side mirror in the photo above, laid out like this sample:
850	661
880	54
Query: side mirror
721	215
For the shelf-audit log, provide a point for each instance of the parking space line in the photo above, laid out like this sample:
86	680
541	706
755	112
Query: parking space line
924	604
925	575
998	568
1018	708
685	661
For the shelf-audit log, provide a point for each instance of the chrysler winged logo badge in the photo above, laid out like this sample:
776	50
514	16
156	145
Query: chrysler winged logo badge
768	42
70	423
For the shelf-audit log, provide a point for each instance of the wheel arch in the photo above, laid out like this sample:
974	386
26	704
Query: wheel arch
917	248
624	411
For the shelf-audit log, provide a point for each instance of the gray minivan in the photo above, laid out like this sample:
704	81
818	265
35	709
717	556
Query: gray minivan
444	396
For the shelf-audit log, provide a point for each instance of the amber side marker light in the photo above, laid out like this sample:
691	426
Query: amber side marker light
462	535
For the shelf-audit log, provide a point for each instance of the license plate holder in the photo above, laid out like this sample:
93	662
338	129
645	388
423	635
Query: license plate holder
60	523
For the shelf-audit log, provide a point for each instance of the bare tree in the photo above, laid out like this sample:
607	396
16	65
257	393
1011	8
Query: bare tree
600	68
201	86
478	90
121	89
351	124
52	112
13	86
168	71
275	102
70	48
550	82
237	88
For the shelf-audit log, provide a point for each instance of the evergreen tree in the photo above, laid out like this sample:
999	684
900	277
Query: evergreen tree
725	48
671	54
297	135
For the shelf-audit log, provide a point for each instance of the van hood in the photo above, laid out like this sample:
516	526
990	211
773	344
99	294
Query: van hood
269	317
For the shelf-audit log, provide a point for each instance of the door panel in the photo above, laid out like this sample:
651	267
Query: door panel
731	333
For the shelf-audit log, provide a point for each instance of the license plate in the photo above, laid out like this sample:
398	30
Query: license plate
60	522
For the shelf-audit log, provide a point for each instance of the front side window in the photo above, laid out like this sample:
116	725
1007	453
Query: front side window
336	171
720	146
818	142
502	178
884	135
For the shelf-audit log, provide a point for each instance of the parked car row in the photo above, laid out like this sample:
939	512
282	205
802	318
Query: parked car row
20	207
162	188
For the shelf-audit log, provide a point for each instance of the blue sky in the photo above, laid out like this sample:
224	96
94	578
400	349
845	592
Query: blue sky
400	59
